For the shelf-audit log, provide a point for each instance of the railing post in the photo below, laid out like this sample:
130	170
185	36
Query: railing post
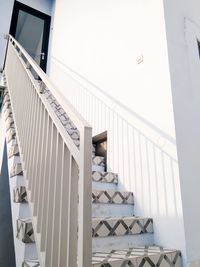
85	202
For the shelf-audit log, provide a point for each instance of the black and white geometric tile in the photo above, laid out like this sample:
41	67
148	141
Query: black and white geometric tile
64	118
13	151
31	263
112	197
20	194
25	231
121	226
11	134
138	257
106	177
16	169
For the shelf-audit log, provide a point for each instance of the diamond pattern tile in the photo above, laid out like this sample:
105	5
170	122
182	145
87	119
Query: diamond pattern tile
20	194
97	160
16	169
31	263
25	231
13	151
10	135
9	121
109	197
106	177
8	113
121	226
6	99
9	126
64	119
138	257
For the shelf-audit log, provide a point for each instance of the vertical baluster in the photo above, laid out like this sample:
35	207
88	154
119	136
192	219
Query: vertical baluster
65	195
27	122
37	153
51	197
36	104
39	158
46	138
30	129
48	160
73	230
56	204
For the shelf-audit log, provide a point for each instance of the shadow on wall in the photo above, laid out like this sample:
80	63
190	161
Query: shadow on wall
144	156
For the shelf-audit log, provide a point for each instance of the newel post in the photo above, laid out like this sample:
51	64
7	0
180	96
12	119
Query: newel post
85	199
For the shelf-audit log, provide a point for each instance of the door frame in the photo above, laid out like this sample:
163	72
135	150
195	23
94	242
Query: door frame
47	22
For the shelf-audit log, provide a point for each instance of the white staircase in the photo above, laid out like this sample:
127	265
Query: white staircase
119	237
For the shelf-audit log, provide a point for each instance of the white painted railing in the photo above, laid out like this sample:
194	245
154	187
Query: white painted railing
58	173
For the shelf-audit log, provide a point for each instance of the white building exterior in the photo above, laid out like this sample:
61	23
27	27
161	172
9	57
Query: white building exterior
131	68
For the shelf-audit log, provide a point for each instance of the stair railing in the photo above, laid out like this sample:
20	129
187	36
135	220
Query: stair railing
57	171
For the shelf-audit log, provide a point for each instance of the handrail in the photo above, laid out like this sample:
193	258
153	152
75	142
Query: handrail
57	169
78	119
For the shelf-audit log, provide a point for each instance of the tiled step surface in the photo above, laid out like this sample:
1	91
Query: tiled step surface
112	210
104	186
112	197
31	263
121	226
105	177
122	242
98	164
104	181
138	257
16	170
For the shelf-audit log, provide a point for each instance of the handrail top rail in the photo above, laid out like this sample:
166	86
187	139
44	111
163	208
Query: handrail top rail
78	120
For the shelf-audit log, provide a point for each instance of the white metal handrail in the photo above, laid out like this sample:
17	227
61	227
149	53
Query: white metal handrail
58	174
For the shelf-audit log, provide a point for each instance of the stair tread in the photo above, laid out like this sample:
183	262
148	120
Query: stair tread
112	197
120	226
148	256
120	218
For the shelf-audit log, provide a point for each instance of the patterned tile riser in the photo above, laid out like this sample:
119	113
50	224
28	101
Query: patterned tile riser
25	231
20	194
31	263
16	169
138	257
13	151
107	177
64	119
100	161
11	134
121	226
109	197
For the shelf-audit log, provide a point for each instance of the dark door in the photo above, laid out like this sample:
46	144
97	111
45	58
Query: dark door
31	29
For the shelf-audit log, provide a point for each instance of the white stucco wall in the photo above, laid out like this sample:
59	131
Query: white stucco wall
6	7
96	50
183	30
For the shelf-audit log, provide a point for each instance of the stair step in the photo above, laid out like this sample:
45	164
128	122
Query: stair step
112	210
98	164
112	197
147	256
104	186
106	177
104	227
122	242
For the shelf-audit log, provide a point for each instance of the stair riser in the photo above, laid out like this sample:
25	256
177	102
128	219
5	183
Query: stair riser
112	210
121	242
